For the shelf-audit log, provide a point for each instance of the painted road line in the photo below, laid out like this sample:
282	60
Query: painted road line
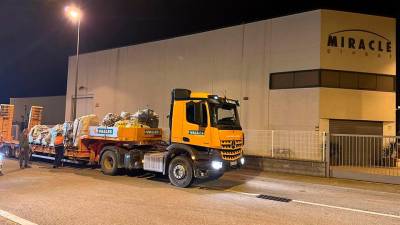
347	209
15	218
239	192
324	205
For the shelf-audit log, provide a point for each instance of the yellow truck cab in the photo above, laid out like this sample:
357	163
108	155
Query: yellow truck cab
205	131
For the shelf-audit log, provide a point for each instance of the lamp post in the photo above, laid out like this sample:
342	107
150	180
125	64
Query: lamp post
75	15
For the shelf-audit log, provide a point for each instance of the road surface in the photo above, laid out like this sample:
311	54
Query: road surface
70	195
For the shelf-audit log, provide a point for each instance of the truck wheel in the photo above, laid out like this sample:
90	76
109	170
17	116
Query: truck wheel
109	164
180	172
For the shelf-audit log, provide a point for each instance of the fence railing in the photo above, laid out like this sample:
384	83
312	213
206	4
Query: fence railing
353	153
366	153
285	144
282	144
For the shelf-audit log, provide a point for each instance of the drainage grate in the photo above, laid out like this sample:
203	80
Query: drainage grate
274	198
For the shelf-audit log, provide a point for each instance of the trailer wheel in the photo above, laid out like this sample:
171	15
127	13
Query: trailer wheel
180	172
109	164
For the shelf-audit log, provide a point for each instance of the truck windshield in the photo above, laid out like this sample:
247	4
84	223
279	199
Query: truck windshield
224	116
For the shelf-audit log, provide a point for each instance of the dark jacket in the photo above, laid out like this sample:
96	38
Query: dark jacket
23	141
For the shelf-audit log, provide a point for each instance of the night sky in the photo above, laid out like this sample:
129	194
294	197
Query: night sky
36	38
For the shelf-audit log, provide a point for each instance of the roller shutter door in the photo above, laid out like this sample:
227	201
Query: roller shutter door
355	127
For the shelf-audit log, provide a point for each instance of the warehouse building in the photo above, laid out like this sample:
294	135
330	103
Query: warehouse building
321	70
54	109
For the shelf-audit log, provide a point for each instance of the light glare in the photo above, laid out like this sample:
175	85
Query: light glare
73	13
216	165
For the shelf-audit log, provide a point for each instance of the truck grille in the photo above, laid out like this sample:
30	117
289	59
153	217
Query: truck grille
231	149
231	155
231	144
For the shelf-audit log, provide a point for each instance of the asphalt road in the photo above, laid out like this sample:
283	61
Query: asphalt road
43	195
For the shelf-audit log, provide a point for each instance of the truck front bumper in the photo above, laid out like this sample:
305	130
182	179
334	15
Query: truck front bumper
215	167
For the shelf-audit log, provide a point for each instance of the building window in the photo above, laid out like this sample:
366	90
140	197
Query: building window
386	83
367	82
306	79
282	80
333	79
348	80
330	78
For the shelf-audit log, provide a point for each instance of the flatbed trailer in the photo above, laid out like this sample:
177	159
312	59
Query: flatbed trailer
90	148
205	140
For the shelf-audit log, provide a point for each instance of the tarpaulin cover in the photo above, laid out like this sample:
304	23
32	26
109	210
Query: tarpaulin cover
142	118
81	127
38	133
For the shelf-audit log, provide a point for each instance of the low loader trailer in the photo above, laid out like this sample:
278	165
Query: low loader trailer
9	133
205	140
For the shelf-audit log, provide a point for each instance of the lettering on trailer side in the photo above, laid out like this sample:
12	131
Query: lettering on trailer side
152	132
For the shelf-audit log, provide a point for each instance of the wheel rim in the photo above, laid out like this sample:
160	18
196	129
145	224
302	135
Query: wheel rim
179	172
108	162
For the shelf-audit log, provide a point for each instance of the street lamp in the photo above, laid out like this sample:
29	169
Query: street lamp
75	15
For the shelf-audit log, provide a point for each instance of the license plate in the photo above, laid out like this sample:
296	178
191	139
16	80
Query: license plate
234	163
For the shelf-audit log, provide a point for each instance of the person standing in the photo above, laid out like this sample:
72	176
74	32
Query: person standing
59	150
1	163
24	150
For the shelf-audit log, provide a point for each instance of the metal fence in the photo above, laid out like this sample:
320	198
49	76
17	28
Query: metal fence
365	154
282	144
285	144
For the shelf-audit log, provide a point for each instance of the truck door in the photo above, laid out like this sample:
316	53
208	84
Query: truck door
196	129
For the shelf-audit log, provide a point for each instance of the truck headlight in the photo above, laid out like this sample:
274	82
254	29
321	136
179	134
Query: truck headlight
216	165
242	161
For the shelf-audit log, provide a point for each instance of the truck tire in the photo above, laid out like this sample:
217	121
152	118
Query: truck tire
109	163
180	172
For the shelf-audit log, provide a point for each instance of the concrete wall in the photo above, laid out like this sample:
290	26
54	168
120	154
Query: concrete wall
295	42
235	61
357	104
358	26
286	166
294	109
53	113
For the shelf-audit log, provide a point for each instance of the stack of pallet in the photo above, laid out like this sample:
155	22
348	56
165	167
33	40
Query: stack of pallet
6	119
